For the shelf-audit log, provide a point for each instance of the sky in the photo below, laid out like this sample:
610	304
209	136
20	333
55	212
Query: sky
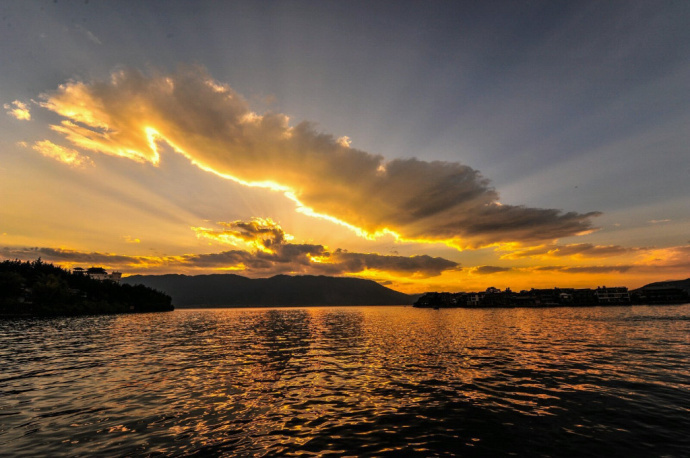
429	146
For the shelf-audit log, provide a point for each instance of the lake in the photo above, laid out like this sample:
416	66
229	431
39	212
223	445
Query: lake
357	381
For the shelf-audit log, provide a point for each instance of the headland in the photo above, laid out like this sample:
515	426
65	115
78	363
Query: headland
35	288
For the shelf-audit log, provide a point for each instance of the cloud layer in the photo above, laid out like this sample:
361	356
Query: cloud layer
272	249
488	270
577	250
270	254
213	126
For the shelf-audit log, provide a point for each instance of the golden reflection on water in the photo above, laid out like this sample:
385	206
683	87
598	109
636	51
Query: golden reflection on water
357	380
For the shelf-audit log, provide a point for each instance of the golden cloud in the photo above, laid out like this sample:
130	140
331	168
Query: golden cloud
677	256
215	129
60	153
270	242
18	110
583	269
577	250
488	270
259	233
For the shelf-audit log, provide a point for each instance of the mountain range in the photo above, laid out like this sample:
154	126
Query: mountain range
230	290
680	284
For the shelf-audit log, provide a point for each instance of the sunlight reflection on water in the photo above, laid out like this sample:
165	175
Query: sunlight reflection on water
349	381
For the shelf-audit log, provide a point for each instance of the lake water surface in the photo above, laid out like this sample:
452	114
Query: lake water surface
357	381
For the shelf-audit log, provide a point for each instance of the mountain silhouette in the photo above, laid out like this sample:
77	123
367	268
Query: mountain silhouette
229	290
680	284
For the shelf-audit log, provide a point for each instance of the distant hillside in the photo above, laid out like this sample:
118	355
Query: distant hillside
229	290
681	284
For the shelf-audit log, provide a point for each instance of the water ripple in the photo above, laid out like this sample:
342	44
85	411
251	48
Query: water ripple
379	381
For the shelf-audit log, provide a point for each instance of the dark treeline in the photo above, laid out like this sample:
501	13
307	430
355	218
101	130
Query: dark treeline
39	288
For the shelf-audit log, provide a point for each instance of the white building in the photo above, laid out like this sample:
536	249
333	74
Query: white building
98	273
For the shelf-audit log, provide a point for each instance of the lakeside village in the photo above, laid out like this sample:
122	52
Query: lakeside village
494	297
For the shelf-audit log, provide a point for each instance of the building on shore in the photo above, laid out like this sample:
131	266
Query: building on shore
617	295
494	297
98	273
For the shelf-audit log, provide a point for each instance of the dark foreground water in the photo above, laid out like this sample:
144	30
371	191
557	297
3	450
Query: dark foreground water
358	381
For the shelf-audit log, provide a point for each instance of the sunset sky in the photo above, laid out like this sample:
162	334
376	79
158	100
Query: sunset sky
430	146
